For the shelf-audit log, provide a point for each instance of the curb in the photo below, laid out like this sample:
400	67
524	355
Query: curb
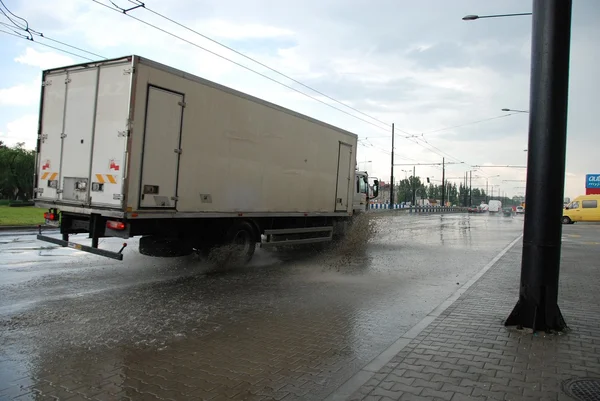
357	380
22	228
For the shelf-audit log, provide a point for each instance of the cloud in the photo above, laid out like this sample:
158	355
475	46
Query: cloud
229	30
21	94
43	59
22	129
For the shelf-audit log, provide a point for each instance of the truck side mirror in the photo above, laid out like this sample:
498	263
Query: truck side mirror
375	188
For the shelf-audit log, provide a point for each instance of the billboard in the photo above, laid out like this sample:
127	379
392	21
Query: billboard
592	181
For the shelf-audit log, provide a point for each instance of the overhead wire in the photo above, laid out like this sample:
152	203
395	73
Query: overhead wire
239	64
16	16
47	45
16	32
40	34
441	151
71	46
31	32
143	5
469	123
121	10
444	129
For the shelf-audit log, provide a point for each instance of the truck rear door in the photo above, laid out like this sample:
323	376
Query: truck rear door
83	136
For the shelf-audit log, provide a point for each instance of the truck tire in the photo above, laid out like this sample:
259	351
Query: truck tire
161	247
241	237
566	220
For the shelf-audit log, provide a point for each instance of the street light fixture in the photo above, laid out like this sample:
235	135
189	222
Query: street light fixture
474	17
516	111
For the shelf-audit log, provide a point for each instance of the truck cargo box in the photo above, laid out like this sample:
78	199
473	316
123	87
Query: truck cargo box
134	138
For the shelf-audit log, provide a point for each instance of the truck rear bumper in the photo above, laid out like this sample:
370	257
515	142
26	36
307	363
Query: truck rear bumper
84	248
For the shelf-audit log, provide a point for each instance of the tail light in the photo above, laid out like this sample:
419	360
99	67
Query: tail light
115	225
50	216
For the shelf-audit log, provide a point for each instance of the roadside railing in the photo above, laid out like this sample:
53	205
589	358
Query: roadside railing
382	207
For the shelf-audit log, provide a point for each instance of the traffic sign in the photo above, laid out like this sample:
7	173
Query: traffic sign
592	181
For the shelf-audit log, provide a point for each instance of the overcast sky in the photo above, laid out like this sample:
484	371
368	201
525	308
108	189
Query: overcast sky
415	64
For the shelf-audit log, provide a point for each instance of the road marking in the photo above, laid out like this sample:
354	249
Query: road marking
368	371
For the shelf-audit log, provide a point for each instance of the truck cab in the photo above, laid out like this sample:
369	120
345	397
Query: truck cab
363	191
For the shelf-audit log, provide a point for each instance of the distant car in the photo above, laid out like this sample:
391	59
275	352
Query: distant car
520	210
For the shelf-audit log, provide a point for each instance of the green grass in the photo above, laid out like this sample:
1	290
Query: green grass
21	216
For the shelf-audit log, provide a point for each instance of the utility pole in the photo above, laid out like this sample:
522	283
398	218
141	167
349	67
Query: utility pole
414	200
466	193
392	173
470	187
487	191
537	307
443	181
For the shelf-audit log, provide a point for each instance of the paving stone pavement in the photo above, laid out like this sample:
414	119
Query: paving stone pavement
295	327
265	345
468	354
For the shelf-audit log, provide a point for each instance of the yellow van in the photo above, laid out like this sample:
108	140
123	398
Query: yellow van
583	208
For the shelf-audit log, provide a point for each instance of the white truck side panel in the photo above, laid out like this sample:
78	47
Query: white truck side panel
243	155
53	108
110	139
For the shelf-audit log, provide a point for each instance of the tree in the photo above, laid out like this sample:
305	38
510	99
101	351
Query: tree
406	188
17	166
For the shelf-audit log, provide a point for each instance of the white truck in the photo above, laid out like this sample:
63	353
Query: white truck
495	206
130	147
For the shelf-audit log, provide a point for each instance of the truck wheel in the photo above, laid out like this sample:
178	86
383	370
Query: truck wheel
242	240
566	220
162	247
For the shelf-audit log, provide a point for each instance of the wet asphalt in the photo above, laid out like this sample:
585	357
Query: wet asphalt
293	324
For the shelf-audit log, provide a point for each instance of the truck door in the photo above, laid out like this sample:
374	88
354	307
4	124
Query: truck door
50	141
161	152
343	177
77	135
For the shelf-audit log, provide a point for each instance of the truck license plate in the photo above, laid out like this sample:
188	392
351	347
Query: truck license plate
53	223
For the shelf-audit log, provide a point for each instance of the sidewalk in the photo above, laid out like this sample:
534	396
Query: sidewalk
466	353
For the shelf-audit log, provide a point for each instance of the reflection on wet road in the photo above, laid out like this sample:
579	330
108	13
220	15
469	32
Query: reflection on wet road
293	325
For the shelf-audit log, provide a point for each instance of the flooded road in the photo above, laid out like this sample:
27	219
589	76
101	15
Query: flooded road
292	325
